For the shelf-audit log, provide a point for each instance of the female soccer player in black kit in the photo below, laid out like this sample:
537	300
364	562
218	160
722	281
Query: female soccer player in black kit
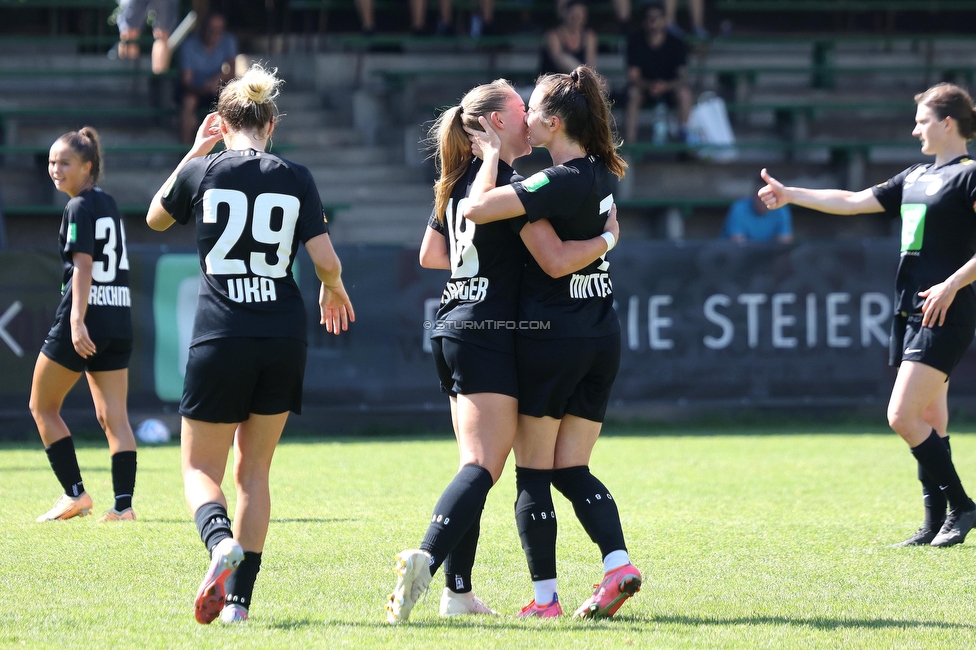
476	365
92	331
935	305
565	370
247	353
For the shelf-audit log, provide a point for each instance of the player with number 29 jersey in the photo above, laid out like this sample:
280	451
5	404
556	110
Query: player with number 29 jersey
246	364
251	209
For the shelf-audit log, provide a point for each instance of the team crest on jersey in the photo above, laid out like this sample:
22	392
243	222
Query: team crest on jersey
72	232
535	181
933	187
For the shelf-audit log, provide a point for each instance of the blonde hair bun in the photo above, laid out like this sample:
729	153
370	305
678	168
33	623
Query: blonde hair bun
258	85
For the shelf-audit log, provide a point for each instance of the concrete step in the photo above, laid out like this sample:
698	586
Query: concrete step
376	175
301	121
373	193
323	137
346	156
382	224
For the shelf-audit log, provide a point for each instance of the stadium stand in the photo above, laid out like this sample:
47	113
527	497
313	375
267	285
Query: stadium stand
831	108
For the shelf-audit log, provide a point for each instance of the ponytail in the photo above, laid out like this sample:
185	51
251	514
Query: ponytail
452	156
449	141
88	145
579	101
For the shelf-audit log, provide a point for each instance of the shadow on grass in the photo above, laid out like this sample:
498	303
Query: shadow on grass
627	623
293	520
816	623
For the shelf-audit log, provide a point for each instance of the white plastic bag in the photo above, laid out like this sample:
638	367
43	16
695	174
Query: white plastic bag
709	121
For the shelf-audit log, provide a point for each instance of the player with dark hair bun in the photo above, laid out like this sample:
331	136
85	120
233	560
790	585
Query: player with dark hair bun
92	331
247	353
474	357
935	304
566	369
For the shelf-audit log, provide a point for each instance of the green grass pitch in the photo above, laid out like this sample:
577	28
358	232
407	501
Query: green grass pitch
749	539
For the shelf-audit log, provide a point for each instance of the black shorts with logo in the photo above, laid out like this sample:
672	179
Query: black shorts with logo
110	354
465	368
228	379
566	376
940	347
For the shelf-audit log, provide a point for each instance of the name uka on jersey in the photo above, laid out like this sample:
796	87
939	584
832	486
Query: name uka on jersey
252	289
590	285
469	289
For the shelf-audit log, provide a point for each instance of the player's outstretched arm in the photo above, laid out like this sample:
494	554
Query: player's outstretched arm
335	308
775	195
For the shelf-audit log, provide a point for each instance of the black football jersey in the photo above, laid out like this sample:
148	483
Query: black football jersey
480	301
576	198
937	206
251	209
91	224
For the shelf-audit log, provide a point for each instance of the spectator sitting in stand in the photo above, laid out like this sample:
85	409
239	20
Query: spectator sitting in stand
131	18
749	219
571	44
482	24
656	72
207	63
696	9
367	16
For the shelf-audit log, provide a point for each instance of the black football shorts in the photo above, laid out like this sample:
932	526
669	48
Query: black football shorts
110	354
465	369
940	347
566	376
228	379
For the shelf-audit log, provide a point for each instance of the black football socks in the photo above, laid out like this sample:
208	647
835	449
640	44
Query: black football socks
460	504
123	478
535	518
594	507
64	462
213	524
933	455
460	563
240	584
932	497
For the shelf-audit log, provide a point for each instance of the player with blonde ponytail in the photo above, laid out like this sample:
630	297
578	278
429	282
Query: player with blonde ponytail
475	361
566	371
247	354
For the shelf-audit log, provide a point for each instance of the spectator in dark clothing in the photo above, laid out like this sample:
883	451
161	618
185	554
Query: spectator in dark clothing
206	64
571	44
656	71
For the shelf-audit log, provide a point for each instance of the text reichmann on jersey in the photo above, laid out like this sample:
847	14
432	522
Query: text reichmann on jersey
592	285
109	296
251	290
